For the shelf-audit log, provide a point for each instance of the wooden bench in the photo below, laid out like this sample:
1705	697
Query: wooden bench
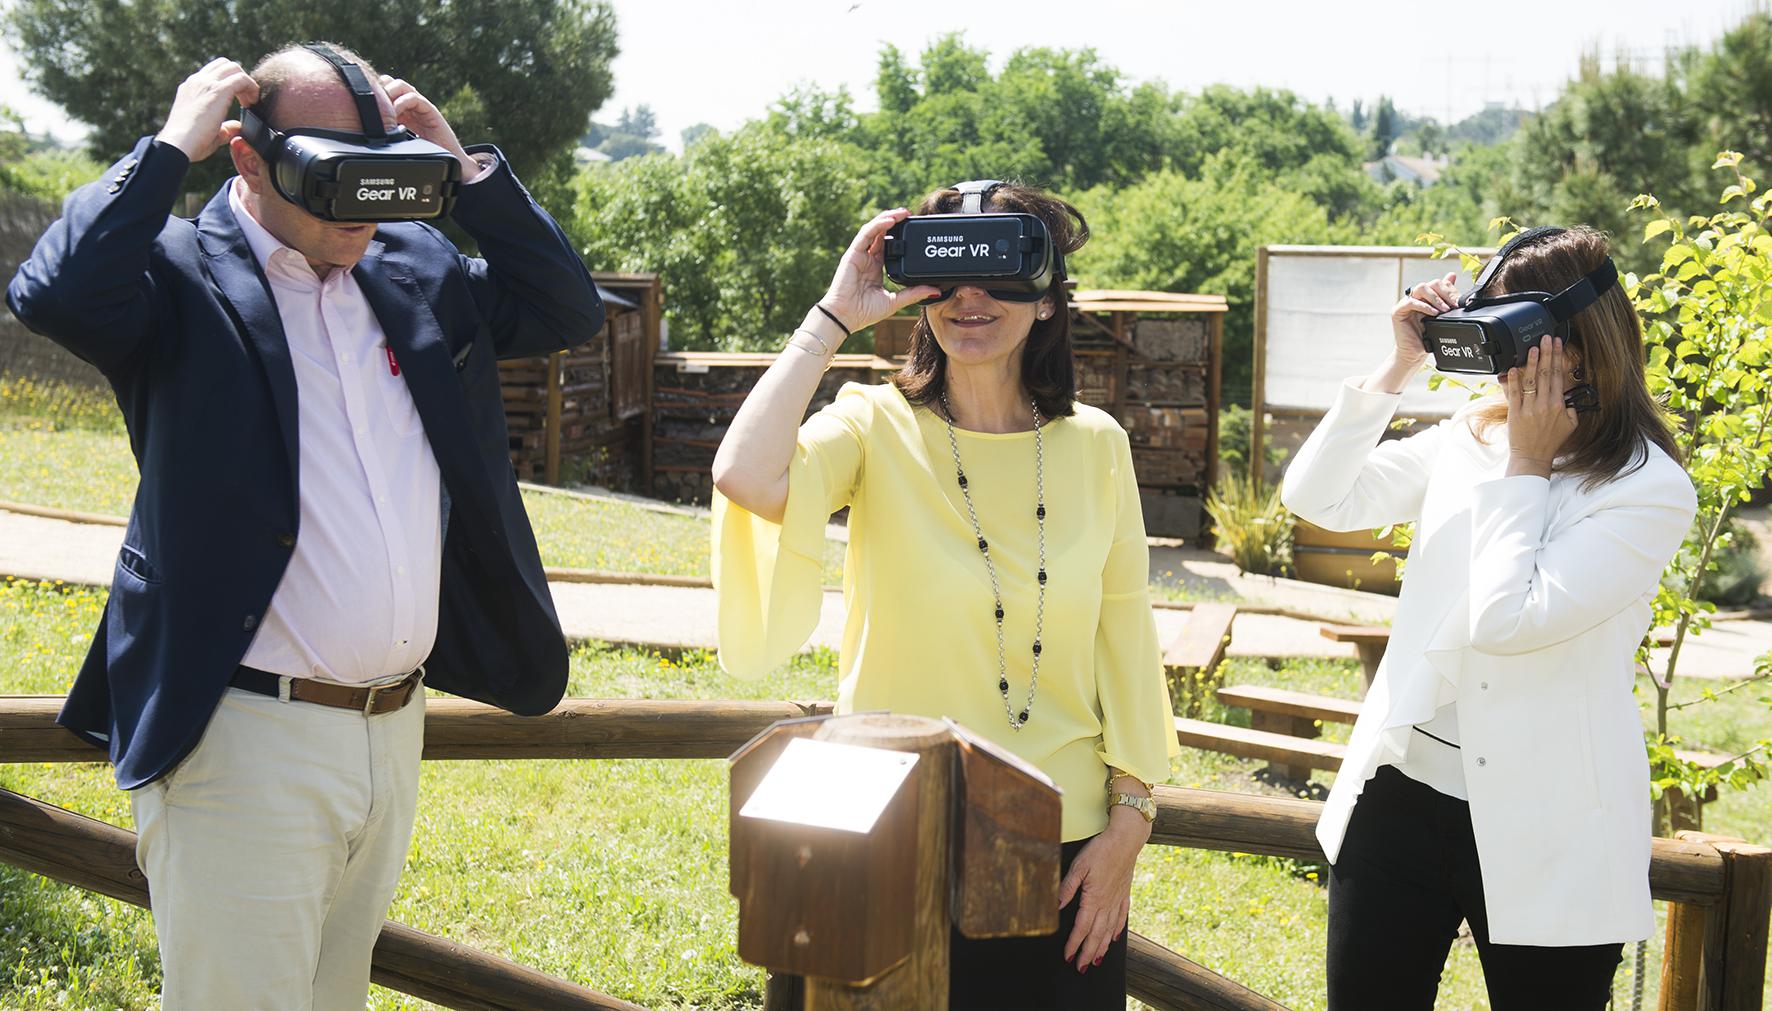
1199	649
1279	750
1369	640
1294	714
1372	640
1279	712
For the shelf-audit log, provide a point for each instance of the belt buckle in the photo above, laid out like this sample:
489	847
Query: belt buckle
369	701
407	682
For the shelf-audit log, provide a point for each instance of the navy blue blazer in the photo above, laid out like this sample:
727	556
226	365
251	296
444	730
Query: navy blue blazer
178	316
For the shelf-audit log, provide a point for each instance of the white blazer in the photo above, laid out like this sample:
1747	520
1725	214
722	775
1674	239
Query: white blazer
1524	601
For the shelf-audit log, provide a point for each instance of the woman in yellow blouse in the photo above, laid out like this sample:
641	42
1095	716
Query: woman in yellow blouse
996	573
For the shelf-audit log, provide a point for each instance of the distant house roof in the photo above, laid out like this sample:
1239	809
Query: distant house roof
1420	171
587	155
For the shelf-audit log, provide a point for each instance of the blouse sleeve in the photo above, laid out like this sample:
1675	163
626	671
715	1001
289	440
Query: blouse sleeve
768	577
1343	478
1138	725
1529	591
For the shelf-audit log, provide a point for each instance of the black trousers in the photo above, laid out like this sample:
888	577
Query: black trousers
1406	874
1030	973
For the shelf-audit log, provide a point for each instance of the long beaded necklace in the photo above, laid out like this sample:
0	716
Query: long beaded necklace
1017	719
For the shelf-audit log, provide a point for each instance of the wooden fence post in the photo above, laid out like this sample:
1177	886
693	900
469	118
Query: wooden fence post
1716	952
1749	900
921	981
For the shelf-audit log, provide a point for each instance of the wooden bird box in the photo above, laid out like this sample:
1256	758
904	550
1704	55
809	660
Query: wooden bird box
1006	842
824	854
845	858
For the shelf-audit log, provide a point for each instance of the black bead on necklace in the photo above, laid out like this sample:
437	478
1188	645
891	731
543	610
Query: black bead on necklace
1017	718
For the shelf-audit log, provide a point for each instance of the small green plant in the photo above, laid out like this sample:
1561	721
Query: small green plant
1190	688
1707	312
1234	423
1251	524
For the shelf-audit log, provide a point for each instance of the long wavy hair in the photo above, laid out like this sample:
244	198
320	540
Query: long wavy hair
1607	344
1047	368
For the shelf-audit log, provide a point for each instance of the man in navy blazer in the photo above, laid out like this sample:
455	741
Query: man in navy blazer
327	515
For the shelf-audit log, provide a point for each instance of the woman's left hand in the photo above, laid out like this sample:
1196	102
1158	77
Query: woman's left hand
1102	872
1538	422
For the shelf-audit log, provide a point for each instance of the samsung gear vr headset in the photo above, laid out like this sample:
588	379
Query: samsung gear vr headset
1010	256
375	175
1489	334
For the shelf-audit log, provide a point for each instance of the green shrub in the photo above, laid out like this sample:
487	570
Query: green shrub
1251	524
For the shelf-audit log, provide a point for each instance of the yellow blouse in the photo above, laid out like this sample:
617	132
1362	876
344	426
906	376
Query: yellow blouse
920	634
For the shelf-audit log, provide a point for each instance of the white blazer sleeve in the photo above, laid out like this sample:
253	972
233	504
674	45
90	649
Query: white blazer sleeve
1528	592
1343	478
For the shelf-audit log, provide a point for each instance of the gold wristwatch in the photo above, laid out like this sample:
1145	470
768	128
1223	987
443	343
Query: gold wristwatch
1143	805
1146	806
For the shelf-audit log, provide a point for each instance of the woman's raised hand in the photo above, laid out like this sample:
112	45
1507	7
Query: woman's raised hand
1538	422
1429	299
858	294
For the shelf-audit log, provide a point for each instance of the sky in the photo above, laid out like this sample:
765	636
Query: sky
724	62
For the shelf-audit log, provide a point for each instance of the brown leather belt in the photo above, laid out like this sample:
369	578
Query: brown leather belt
366	699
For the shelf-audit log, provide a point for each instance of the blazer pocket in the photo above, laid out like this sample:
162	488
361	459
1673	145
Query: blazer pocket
136	564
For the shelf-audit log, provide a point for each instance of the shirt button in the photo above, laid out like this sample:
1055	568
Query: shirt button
400	570
362	430
286	540
383	499
1482	761
249	623
346	358
1485	686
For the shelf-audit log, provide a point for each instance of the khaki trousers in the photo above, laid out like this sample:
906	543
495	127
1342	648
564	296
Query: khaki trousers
273	850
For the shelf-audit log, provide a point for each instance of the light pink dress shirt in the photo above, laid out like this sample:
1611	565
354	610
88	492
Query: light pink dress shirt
359	599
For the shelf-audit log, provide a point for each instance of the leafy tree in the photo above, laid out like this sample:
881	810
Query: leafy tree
1491	126
525	74
1608	137
695	132
896	82
1274	128
1732	91
1708	313
1171	232
1385	128
634	133
949	66
745	229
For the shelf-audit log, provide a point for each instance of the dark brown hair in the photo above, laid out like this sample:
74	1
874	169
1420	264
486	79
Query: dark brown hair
295	62
1047	369
1607	341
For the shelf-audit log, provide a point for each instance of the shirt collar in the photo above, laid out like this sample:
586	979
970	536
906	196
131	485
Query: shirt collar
262	243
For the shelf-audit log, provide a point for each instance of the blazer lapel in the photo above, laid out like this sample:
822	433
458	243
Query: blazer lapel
242	284
418	343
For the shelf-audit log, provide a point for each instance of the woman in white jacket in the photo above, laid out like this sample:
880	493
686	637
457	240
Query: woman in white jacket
1497	772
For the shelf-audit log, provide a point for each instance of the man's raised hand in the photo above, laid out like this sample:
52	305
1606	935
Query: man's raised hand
194	125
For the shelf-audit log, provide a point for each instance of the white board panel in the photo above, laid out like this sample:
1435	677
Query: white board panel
1328	319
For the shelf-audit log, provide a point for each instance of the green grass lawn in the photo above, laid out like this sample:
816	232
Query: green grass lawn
81	461
612	873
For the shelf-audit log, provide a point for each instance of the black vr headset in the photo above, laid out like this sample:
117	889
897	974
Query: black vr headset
370	176
1010	256
1487	335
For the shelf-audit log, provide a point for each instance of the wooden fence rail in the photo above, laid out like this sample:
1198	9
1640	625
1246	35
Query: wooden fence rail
459	729
90	854
1717	927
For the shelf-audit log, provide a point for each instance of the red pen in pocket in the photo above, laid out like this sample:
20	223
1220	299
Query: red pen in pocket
393	363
